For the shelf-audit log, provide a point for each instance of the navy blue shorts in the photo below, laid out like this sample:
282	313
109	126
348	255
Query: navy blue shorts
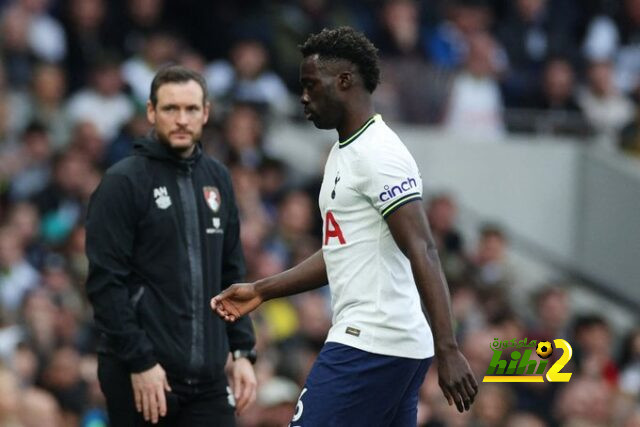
351	387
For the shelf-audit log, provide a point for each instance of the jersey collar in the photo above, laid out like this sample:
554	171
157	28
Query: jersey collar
359	132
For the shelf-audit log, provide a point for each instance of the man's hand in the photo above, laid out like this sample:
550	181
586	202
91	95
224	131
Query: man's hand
148	390
243	383
236	301
456	379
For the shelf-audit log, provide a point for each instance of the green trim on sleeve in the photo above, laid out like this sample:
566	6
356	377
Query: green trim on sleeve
401	201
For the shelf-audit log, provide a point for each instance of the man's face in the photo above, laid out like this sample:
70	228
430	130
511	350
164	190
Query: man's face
320	93
179	114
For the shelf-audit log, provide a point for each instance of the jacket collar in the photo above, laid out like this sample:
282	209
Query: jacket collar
151	147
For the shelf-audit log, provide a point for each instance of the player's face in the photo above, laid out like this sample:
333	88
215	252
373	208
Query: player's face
179	114
319	94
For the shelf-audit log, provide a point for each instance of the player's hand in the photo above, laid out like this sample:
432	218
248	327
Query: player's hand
236	301
243	383
456	380
148	391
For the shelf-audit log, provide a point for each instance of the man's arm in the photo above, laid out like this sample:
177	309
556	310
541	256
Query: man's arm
110	225
410	230
241	299
308	275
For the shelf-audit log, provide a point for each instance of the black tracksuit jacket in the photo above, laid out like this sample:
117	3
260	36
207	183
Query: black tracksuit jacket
158	251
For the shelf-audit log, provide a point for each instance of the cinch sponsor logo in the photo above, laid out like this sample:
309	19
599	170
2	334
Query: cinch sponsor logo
519	367
390	193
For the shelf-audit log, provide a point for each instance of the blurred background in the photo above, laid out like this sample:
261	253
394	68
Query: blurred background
523	116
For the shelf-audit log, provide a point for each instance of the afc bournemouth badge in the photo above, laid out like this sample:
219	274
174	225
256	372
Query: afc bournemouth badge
212	196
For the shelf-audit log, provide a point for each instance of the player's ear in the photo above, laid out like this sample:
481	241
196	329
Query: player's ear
345	80
151	112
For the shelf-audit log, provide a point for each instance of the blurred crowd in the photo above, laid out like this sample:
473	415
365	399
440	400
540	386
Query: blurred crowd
74	80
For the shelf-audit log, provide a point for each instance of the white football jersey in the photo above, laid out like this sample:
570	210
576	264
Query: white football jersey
376	305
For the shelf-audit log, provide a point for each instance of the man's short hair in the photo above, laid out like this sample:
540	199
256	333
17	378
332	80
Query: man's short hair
175	74
349	44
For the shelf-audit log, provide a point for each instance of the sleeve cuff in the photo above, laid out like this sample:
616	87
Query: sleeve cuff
400	202
142	363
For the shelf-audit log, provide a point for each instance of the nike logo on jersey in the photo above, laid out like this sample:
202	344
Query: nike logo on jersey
391	192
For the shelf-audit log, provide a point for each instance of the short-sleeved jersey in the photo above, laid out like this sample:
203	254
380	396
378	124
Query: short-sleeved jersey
375	302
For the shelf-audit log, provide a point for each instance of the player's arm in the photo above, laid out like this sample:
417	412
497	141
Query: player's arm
242	298
410	230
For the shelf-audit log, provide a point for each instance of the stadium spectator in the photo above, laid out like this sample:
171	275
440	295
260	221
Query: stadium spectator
38	322
62	378
61	204
243	137
616	38
103	103
34	156
141	18
467	311
246	78
592	344
45	35
412	90
442	212
160	47
122	145
293	22
23	218
553	108
18	59
475	105
401	31
495	273
584	401
44	103
604	106
18	275
552	314
87	142
38	408
530	33
448	45
494	404
557	88
89	35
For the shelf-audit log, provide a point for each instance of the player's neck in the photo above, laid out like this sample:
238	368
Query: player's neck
353	120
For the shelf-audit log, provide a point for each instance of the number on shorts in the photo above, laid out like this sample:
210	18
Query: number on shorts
299	406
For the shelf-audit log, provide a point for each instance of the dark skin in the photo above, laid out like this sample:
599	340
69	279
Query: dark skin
334	97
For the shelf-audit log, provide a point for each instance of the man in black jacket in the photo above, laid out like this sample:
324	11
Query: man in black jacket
163	237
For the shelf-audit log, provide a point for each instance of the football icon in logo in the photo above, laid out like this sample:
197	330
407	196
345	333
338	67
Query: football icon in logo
544	349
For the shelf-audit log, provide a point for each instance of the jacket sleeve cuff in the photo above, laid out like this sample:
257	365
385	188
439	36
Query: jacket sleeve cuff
142	363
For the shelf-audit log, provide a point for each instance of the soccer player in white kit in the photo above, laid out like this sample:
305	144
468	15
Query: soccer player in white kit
377	255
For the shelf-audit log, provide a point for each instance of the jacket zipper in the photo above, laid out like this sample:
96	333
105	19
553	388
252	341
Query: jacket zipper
192	227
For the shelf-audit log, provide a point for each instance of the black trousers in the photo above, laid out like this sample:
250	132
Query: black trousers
190	403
